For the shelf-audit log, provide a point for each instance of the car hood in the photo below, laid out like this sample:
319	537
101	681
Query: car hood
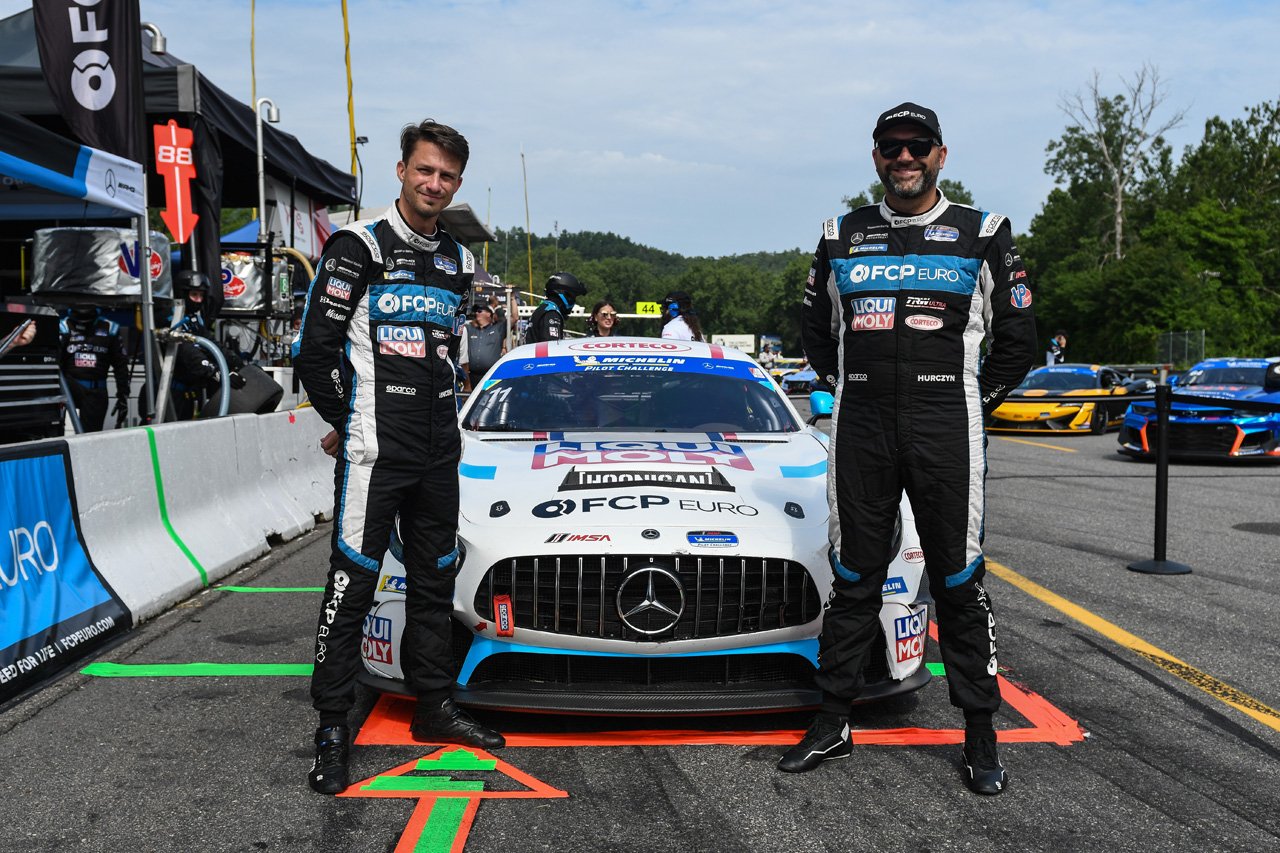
1227	392
643	479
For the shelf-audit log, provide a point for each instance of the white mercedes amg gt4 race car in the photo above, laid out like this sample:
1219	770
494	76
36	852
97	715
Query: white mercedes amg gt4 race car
645	525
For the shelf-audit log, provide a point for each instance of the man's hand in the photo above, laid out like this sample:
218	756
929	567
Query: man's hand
331	442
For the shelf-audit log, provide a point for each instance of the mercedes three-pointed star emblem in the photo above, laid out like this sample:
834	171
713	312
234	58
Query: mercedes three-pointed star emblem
651	615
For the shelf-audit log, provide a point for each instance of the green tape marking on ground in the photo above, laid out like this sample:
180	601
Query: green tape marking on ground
270	588
422	783
442	827
937	669
458	759
164	510
180	670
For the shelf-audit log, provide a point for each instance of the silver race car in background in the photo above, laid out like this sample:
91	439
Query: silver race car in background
645	524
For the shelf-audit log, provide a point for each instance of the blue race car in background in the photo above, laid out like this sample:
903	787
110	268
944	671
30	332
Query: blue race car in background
1204	431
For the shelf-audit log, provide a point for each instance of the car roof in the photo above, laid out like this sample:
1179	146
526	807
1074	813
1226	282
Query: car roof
1232	361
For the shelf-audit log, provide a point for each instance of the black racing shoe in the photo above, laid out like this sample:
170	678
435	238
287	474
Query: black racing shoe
826	739
447	723
329	772
984	774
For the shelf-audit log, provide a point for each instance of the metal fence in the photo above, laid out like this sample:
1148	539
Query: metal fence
1181	349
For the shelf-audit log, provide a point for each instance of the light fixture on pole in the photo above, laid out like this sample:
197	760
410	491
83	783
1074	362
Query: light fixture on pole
158	47
273	116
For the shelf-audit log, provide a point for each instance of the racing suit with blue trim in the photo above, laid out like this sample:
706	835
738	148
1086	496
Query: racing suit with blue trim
87	352
546	323
895	314
375	353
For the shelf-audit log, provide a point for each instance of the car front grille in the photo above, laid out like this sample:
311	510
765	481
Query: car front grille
578	595
1195	438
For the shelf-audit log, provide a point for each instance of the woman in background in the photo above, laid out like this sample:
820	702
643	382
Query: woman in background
603	322
679	320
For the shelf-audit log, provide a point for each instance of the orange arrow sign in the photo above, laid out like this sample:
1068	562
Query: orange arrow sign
175	163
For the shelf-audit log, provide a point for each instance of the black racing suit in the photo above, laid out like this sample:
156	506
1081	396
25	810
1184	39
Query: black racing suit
87	352
895	314
375	353
546	323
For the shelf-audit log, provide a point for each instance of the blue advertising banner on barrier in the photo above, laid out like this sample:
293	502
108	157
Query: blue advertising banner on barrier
54	606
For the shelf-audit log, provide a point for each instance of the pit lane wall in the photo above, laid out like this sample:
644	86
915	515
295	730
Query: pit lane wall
103	531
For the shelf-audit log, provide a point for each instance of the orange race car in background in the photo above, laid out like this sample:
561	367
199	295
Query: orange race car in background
1022	411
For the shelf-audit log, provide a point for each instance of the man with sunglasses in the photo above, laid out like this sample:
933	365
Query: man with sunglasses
900	299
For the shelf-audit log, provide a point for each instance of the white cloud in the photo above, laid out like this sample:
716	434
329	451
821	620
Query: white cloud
714	127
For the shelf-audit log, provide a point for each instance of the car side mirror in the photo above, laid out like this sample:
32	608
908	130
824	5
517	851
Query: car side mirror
1271	379
821	404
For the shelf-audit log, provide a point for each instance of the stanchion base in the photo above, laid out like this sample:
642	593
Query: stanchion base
1160	567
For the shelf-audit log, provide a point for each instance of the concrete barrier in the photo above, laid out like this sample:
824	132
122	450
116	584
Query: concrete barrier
168	510
117	494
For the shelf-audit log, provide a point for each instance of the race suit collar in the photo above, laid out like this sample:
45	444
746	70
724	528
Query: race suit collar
897	220
405	232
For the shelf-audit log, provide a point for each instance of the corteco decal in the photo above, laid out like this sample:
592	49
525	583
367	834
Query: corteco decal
606	452
710	480
923	322
646	346
913	555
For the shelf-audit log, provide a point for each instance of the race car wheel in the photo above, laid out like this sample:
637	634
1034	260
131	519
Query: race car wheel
1098	422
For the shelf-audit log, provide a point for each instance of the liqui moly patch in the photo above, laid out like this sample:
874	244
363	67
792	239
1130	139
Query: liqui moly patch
873	313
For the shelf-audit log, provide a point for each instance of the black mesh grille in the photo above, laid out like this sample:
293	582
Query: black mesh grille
1185	437
578	595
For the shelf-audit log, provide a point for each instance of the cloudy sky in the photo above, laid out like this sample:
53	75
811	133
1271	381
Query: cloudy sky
710	127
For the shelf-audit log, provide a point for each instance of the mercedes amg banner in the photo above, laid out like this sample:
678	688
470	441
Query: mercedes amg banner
91	54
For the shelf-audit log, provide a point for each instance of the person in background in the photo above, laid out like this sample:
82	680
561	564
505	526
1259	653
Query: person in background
547	322
1057	351
486	342
679	319
897	327
603	322
195	372
89	348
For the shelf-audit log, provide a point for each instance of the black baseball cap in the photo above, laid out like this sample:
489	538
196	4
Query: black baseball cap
908	113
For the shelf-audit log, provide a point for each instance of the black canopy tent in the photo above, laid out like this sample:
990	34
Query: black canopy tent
225	135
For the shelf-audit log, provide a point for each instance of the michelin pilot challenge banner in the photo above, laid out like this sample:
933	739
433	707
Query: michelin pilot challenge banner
54	605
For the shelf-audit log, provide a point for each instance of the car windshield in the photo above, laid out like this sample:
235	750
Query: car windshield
1239	375
1054	380
629	393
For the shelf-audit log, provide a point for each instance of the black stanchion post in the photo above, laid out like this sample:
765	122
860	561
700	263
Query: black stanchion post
1159	565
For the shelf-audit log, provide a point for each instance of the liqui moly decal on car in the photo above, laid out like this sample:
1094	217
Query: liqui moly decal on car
908	636
555	453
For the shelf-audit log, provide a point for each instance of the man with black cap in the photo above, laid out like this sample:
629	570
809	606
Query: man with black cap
90	348
900	298
547	322
486	342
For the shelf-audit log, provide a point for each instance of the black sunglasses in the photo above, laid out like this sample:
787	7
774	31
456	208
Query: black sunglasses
920	146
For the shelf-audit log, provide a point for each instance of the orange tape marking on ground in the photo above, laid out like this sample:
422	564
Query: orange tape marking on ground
388	725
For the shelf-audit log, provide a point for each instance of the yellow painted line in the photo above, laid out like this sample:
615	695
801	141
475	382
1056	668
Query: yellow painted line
1037	444
1219	690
